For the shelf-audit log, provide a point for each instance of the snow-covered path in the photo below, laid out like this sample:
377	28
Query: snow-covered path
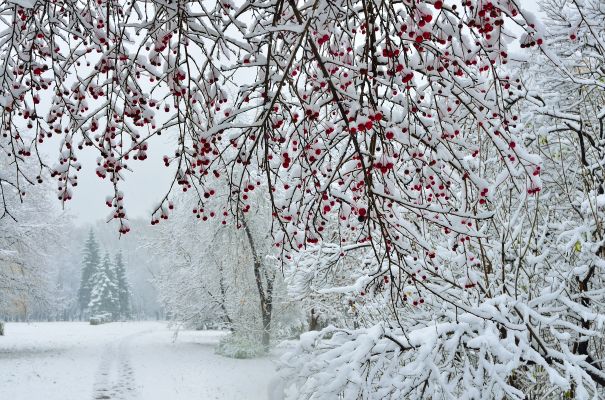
123	361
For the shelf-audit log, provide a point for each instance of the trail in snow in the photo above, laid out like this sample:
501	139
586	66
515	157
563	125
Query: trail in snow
123	361
115	375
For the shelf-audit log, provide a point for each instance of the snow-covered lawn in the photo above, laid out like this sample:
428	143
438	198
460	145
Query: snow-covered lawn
123	361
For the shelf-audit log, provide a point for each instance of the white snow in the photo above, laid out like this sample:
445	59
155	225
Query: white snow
123	361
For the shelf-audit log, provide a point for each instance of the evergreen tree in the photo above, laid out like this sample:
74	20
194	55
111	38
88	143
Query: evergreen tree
123	287
104	292
90	264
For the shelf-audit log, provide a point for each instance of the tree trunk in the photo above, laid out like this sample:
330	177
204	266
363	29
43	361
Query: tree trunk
314	321
223	290
1	328
266	297
266	331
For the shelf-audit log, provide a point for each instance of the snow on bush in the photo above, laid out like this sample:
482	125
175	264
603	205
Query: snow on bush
240	346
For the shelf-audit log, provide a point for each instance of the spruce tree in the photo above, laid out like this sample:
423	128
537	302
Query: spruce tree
90	264
123	287
104	292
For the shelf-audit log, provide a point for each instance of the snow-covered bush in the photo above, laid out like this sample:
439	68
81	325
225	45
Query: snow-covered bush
240	345
99	319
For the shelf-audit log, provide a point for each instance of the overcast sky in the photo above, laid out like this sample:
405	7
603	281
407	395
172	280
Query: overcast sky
143	188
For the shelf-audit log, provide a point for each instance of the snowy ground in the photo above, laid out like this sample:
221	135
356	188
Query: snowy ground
123	361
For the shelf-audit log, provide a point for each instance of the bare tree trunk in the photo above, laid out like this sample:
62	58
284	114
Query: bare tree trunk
1	328
314	321
266	296
224	294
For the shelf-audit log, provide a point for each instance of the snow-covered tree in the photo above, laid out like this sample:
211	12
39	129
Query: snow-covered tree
527	322
194	286
91	262
140	267
104	297
30	236
218	274
564	93
123	288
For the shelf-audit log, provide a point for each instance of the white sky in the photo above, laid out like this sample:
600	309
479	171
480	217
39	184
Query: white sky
143	188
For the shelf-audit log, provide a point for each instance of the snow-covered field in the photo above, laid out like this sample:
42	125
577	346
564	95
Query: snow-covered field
123	361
